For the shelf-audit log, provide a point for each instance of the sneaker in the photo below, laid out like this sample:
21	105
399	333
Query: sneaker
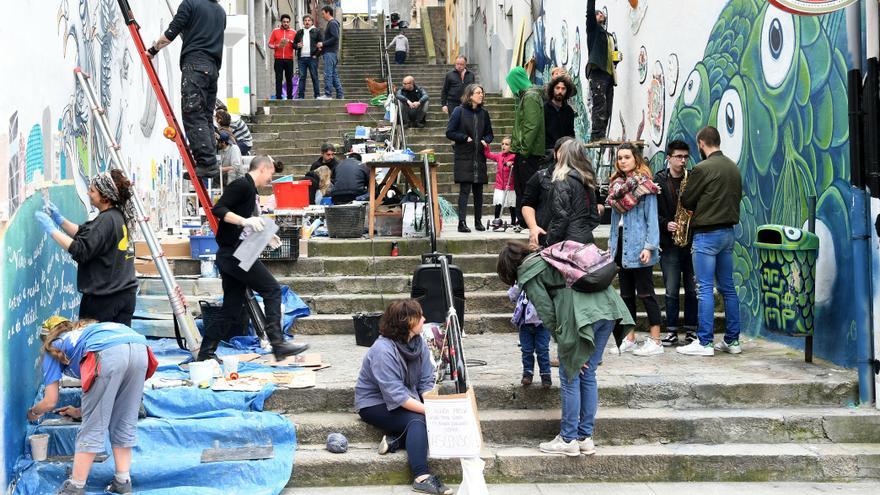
690	336
517	229
696	349
649	347
67	488
546	382
324	97
731	348
671	339
627	345
431	484
117	487
526	380
383	446
586	446
560	446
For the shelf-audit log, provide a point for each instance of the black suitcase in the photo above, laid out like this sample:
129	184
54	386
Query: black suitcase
427	288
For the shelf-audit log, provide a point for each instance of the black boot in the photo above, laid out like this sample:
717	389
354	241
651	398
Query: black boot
285	349
478	224
462	227
208	349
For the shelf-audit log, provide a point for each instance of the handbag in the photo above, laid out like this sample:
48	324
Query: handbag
585	267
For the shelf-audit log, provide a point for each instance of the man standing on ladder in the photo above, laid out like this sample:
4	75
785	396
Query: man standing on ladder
202	23
238	211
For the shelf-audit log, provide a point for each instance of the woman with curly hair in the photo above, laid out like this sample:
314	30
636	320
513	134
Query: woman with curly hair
100	247
395	372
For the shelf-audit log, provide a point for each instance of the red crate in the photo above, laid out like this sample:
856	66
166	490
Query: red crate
291	194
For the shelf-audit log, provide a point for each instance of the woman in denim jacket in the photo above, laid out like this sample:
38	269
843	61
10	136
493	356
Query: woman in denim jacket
635	241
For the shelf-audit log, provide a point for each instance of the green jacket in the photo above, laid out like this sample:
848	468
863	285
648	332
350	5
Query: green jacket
713	192
527	138
567	313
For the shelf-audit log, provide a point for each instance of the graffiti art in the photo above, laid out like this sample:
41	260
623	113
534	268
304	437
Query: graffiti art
643	64
672	69
657	103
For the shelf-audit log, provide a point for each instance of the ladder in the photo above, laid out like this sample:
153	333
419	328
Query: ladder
173	131
184	320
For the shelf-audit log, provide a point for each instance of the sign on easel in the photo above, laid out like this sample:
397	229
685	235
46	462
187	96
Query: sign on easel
453	425
811	7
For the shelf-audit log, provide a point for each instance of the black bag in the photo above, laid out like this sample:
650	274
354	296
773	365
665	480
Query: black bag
366	328
427	288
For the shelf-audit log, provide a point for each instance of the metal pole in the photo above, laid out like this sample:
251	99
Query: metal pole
175	295
252	57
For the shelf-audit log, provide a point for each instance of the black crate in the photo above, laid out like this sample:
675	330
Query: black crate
289	249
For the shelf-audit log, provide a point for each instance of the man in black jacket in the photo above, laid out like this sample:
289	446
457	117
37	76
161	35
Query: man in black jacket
454	83
327	159
675	261
238	214
352	180
330	49
202	23
413	101
558	114
600	70
307	52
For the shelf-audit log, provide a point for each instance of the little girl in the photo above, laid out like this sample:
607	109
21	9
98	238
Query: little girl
534	338
503	195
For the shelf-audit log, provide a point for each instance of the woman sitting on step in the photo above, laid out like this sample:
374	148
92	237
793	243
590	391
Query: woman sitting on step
395	372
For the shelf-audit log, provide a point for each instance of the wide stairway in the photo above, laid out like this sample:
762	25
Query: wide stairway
761	416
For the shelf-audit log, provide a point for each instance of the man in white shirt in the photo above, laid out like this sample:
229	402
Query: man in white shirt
401	47
308	42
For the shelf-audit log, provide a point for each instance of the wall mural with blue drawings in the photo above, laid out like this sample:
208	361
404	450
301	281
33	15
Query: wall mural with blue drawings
763	78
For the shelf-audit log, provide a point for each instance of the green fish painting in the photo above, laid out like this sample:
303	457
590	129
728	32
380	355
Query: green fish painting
774	84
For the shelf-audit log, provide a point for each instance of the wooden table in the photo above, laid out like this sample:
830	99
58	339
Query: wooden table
395	169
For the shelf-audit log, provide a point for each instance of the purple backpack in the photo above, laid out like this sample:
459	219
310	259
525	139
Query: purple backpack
586	268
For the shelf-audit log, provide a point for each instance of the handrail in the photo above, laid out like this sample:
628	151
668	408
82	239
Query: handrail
397	129
428	35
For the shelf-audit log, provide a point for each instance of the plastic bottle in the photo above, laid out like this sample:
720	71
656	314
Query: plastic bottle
394	249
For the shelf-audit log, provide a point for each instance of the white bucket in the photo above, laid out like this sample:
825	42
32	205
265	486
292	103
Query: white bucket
201	373
266	110
230	365
39	446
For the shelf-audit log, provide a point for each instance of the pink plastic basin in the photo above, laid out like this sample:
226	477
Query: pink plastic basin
356	108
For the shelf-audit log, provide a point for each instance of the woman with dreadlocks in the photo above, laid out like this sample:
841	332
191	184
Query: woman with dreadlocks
105	276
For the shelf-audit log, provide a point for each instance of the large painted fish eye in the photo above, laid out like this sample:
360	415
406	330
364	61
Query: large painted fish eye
777	46
691	88
731	124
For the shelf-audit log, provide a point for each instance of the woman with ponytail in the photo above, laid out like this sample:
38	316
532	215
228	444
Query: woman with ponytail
105	275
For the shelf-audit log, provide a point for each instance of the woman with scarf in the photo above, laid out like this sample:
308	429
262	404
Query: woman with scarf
395	372
635	241
100	247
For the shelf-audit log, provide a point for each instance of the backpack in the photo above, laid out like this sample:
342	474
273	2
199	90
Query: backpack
586	268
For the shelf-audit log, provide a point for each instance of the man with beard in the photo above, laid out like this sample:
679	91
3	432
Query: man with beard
558	114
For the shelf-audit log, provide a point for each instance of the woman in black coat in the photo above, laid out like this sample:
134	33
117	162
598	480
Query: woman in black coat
574	209
470	130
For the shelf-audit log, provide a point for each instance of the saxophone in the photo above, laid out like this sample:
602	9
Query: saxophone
682	217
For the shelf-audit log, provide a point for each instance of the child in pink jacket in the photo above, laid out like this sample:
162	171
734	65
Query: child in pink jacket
503	195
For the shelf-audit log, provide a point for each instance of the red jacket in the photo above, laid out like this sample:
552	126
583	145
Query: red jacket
503	180
282	52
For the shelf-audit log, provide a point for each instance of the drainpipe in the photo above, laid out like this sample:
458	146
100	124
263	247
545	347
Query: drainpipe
252	57
859	218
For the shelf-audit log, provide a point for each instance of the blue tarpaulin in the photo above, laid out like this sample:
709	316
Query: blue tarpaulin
181	423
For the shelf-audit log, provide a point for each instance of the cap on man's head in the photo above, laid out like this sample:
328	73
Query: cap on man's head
224	137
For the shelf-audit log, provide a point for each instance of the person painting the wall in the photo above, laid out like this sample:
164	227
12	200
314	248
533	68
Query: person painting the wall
109	405
600	70
105	274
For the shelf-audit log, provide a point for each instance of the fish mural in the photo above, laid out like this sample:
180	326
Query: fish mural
765	78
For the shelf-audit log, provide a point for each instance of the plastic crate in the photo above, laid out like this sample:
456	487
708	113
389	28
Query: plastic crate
200	245
289	249
291	193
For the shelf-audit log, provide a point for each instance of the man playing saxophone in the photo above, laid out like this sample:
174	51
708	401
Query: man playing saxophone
675	245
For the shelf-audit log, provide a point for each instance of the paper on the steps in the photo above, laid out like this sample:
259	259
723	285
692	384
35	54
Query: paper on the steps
254	244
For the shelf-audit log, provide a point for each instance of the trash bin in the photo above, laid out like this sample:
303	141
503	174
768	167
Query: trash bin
788	278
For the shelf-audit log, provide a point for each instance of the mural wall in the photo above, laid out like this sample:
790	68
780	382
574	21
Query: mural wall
762	77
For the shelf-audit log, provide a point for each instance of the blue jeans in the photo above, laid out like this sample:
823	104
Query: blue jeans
405	429
534	340
311	65
580	393
675	261
713	262
331	75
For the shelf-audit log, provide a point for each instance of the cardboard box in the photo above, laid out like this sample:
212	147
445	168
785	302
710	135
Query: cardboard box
174	248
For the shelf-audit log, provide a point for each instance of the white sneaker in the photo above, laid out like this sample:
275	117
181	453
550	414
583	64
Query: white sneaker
649	347
696	349
731	348
560	446
383	446
627	345
324	97
586	446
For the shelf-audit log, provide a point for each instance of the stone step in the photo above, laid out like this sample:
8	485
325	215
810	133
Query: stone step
306	138
490	99
625	426
315	466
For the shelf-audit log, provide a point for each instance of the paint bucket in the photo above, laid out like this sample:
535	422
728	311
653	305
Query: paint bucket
201	373
208	267
39	446
266	111
230	366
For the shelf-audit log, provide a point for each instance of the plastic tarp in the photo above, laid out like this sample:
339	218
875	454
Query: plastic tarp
181	423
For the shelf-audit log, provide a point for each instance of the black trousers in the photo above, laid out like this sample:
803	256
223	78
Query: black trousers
117	307
283	73
235	282
464	188
414	115
602	91
406	429
637	282
524	167
198	89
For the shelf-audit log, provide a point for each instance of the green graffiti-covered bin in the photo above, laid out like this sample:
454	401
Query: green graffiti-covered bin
788	278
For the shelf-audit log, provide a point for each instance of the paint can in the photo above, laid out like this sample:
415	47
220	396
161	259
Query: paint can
201	373
39	446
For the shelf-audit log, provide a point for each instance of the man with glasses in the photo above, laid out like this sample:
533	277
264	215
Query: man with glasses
675	261
327	159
